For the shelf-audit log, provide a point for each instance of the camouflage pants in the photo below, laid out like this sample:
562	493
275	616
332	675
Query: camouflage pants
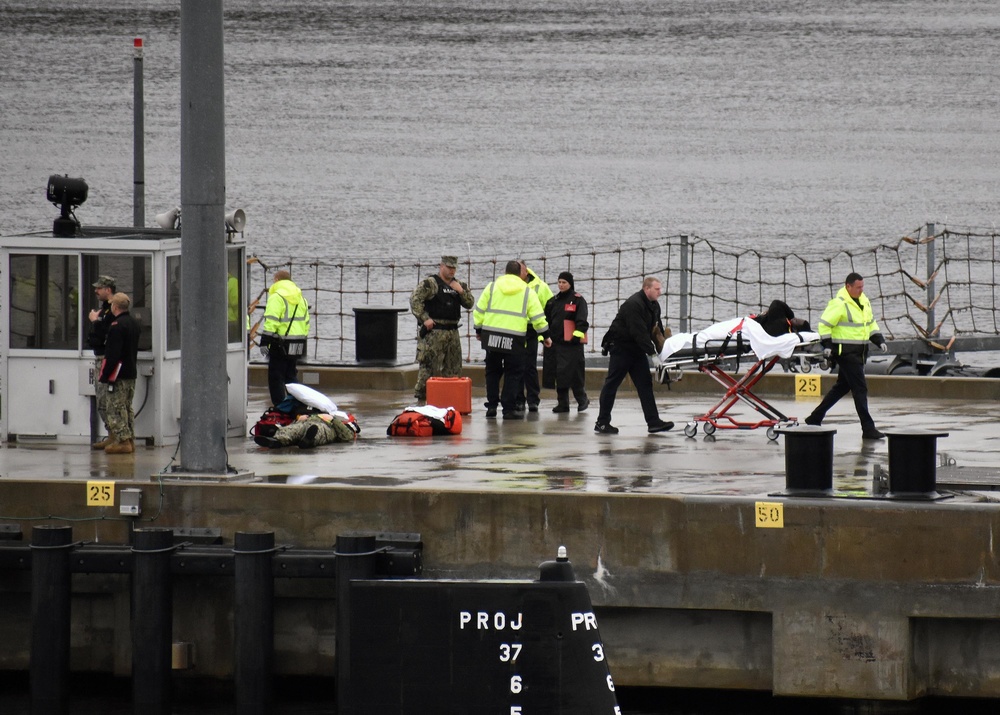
101	394
121	418
439	354
327	432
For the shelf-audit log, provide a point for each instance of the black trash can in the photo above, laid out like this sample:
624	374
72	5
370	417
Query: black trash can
375	332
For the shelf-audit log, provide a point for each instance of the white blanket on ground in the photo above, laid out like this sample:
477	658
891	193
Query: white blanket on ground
763	345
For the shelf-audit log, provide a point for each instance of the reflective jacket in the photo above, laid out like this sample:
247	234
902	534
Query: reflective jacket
849	324
287	313
507	306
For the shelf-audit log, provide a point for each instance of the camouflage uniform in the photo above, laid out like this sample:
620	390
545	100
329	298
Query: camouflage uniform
121	416
439	352
328	430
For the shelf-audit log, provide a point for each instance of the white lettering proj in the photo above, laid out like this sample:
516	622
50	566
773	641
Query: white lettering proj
587	620
485	621
500	342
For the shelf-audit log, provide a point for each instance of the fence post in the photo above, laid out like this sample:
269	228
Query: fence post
48	662
152	621
684	284
930	280
254	622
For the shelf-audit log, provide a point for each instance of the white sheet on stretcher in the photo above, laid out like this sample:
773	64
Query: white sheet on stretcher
763	345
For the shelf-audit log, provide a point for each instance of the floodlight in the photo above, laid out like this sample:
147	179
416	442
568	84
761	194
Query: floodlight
67	194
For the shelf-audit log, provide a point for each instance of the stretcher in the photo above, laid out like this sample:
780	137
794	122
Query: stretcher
717	348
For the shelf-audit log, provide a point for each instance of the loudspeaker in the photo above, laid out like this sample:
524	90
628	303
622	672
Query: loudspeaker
169	219
236	221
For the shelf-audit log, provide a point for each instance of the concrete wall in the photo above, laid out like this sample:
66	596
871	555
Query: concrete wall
852	598
774	383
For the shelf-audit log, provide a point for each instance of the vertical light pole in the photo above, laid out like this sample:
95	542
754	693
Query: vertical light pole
138	136
204	381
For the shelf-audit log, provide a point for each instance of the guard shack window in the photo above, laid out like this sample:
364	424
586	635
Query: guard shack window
133	275
44	302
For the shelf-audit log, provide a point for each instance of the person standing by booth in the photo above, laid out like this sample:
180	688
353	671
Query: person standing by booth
283	338
503	312
530	393
118	373
437	304
568	316
100	321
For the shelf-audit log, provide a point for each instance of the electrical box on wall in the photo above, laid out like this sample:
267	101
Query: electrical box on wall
130	503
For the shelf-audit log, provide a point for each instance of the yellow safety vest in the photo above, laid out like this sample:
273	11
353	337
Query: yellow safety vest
847	323
507	306
287	312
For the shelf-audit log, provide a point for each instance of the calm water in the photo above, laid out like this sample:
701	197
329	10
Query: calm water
383	128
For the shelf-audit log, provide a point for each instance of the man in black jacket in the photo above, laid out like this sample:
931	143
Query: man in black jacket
629	341
118	372
100	320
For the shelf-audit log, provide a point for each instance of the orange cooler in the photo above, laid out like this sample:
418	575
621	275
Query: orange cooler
450	392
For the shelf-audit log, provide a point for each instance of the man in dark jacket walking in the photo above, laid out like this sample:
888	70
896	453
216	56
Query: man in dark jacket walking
629	341
118	372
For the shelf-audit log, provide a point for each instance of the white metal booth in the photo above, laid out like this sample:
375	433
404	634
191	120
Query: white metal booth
47	370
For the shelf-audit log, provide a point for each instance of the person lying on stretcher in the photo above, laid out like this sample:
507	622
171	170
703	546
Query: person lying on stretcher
776	332
779	319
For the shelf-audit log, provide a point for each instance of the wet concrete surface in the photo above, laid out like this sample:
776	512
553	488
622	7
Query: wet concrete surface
556	452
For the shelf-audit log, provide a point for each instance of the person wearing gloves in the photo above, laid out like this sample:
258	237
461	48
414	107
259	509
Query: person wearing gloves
502	315
845	329
629	342
569	320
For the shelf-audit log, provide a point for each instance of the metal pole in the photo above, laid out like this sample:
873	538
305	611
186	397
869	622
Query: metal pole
152	621
930	281
48	665
204	382
254	622
355	560
684	284
138	136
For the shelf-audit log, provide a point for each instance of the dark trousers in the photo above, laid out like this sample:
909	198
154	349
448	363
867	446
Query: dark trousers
631	361
532	392
510	367
280	371
851	378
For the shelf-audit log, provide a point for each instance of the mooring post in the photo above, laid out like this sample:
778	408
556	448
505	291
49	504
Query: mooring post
913	464
254	622
152	621
808	460
48	665
355	560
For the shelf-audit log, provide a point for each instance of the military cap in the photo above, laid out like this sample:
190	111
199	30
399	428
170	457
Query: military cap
450	261
104	282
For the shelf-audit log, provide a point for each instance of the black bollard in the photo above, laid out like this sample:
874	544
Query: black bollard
152	621
913	464
355	560
808	460
50	619
254	622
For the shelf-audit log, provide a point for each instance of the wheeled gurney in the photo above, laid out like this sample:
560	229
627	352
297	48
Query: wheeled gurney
722	344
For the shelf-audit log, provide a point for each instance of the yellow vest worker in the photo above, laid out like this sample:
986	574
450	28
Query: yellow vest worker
501	317
286	326
845	328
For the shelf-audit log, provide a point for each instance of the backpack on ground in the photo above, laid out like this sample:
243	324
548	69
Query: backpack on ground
425	422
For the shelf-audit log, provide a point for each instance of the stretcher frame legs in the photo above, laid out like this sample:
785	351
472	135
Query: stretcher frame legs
739	390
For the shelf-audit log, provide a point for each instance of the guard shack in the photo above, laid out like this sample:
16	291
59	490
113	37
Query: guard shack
47	369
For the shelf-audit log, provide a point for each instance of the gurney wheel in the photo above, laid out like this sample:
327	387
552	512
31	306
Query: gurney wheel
806	366
709	428
690	429
771	434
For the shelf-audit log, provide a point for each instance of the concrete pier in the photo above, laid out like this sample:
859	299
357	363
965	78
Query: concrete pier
702	574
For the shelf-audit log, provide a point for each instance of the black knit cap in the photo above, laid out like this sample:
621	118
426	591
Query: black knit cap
568	277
